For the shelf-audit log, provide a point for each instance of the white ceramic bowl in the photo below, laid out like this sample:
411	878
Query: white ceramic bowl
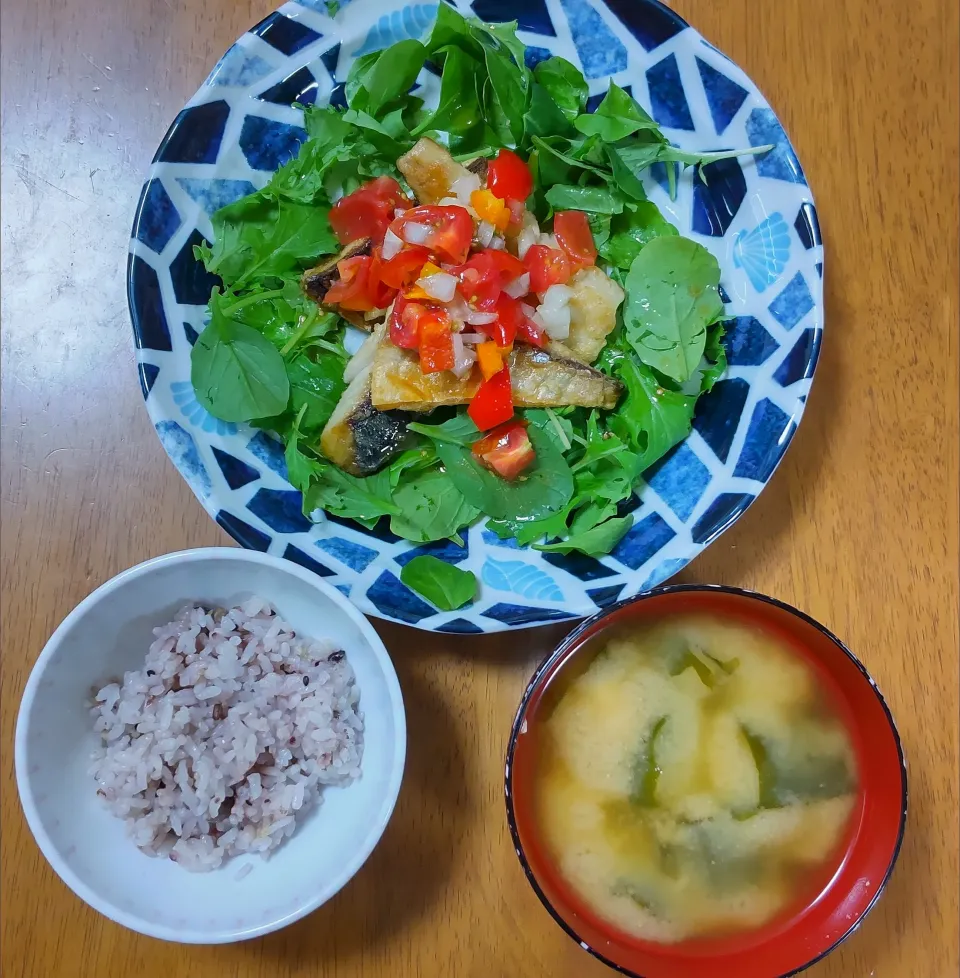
110	632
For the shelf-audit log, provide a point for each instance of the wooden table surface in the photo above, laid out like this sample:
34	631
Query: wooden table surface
858	527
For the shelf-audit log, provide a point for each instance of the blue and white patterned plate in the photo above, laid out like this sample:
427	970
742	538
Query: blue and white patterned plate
757	217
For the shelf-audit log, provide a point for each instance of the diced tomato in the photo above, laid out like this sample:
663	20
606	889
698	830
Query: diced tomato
503	331
436	342
404	268
479	280
547	266
531	333
490	358
507	450
449	230
509	177
575	237
353	289
381	293
517	207
493	402
405	323
368	211
510	267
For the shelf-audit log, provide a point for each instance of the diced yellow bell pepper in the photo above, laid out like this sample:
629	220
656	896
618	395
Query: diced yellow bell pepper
490	359
415	292
490	208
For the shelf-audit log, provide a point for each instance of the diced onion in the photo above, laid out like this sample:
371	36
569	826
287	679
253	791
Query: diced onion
557	296
440	286
556	322
458	310
533	316
361	359
476	318
416	234
463	358
555	311
464	185
529	234
485	233
517	208
471	339
519	286
392	244
497	243
550	240
450	202
398	211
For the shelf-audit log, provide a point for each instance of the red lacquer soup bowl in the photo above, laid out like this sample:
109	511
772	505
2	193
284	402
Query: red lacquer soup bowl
849	885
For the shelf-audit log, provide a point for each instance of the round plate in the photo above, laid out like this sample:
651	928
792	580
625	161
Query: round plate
755	215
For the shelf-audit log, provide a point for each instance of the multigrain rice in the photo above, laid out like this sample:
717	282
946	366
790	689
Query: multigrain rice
226	735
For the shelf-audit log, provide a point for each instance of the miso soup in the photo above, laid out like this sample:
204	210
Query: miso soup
694	779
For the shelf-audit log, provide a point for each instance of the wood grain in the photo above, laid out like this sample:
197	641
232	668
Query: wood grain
858	527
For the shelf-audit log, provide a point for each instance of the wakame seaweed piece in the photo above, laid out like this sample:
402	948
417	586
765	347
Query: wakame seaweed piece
784	782
646	770
642	893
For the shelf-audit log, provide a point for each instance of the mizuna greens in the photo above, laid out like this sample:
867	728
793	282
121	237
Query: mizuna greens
272	357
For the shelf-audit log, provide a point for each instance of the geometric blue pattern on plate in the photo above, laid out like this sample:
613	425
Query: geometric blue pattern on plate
808	226
769	427
668	99
756	216
798	364
793	303
531	16
717	197
724	96
161	219
747	343
600	52
763	252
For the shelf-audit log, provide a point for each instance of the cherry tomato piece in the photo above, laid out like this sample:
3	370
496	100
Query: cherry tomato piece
479	281
493	402
368	211
402	270
547	266
503	331
405	323
436	341
575	237
531	333
509	267
353	289
507	450
509	177
446	230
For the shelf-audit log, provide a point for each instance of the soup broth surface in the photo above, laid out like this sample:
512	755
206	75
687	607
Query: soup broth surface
695	779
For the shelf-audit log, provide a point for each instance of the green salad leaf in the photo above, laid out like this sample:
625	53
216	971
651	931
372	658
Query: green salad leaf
599	539
442	584
672	297
617	117
431	507
236	372
564	84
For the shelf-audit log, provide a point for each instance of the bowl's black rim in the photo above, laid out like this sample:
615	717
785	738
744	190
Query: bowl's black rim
573	637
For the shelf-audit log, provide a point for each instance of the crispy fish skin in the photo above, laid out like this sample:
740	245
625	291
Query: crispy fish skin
593	314
538	378
430	170
542	379
317	281
358	438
